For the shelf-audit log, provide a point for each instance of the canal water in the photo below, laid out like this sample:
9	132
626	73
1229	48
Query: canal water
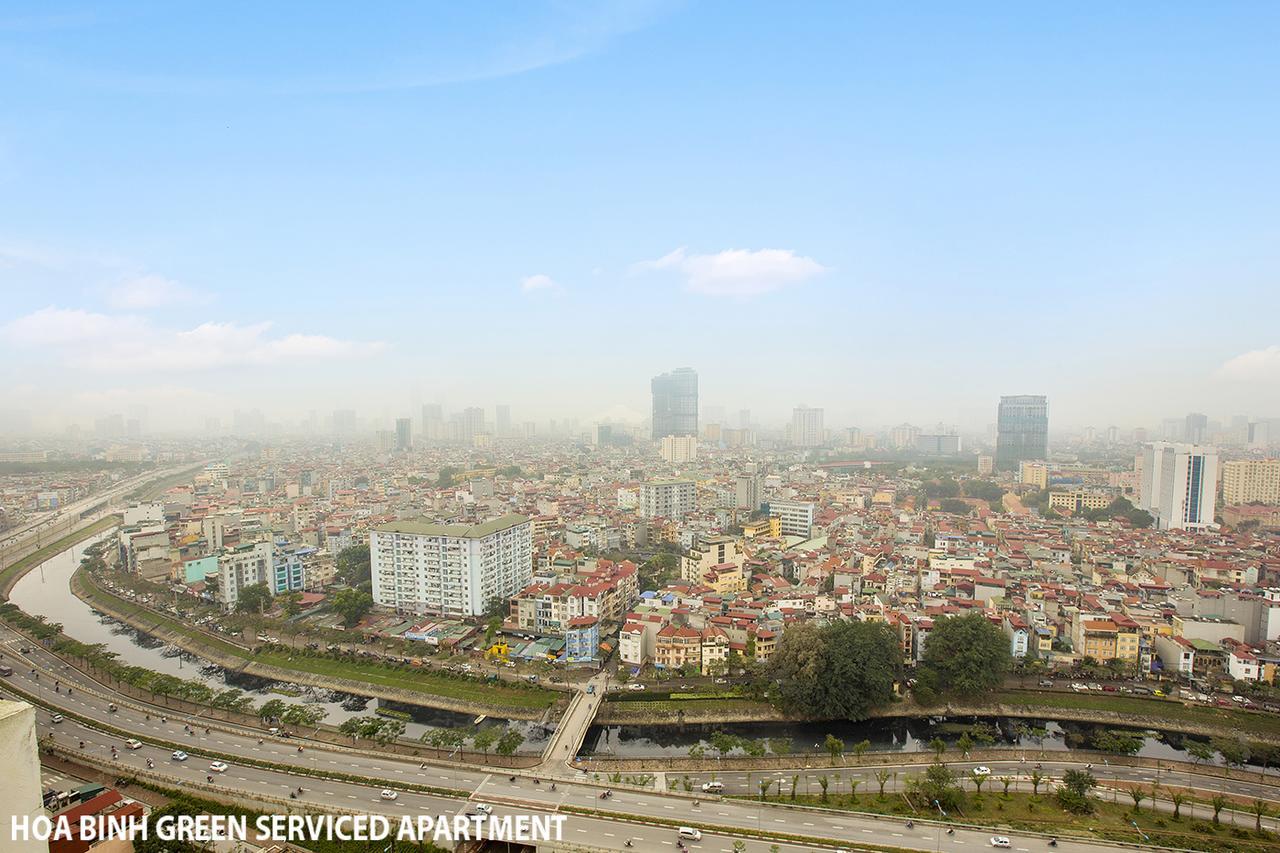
46	591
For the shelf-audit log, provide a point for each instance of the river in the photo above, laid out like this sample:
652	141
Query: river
46	591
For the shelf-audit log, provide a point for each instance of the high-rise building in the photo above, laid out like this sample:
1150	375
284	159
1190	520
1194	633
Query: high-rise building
432	421
1022	430
1251	481
747	492
404	433
502	420
796	517
20	785
668	499
450	569
678	449
344	423
744	419
1179	484
1196	428
806	427
675	403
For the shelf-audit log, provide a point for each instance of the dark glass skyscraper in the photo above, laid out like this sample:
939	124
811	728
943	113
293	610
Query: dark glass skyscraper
675	403
1022	430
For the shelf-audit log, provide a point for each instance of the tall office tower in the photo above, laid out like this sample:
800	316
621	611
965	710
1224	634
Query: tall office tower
678	449
747	492
1179	484
668	499
404	433
744	419
432	421
806	427
450	569
1113	435
468	424
675	403
502	420
1022	430
1251	480
344	422
1196	429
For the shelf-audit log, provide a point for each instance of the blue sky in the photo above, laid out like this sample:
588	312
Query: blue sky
896	213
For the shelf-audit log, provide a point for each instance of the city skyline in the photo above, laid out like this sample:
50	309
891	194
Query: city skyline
257	227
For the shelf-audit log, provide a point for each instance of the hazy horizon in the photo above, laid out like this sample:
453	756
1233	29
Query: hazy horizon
894	214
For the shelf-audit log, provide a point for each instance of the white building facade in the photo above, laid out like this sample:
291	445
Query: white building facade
1179	485
424	567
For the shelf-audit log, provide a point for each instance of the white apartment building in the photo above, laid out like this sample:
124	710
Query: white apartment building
1249	480
806	427
425	567
1179	485
244	565
679	449
668	498
796	517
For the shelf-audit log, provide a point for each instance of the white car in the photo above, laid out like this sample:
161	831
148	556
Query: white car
690	833
712	787
178	755
982	770
635	686
480	808
388	794
1000	841
133	743
56	718
218	767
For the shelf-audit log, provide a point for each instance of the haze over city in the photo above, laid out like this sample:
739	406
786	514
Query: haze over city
894	214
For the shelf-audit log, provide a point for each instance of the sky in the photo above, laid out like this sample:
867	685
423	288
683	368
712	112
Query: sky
898	212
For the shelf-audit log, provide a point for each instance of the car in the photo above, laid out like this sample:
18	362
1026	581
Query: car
218	766
133	743
1077	686
1046	683
712	787
1157	692
722	681
1108	688
690	833
388	794
982	770
480	808
1093	685
1000	841
178	755
591	689
635	687
56	718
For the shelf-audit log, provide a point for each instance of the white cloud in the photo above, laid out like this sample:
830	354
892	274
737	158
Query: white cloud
738	272
150	291
103	342
1256	364
539	282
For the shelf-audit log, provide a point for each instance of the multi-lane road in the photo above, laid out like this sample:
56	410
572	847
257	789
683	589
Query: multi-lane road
646	818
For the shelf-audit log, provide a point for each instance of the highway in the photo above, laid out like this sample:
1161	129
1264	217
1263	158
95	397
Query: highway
629	809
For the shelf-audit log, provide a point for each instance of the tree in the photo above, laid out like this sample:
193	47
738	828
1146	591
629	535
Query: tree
302	715
253	598
764	788
291	603
272	709
965	745
351	605
1073	794
1117	742
1137	795
1259	809
823	782
938	784
389	731
882	778
853	789
979	779
484	740
1219	802
954	506
1198	750
1234	752
834	746
965	656
780	745
509	742
860	749
1006	781
843	670
1037	779
1177	798
939	746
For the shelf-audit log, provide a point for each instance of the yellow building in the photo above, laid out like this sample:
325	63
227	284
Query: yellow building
770	528
1034	474
1079	501
1251	480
